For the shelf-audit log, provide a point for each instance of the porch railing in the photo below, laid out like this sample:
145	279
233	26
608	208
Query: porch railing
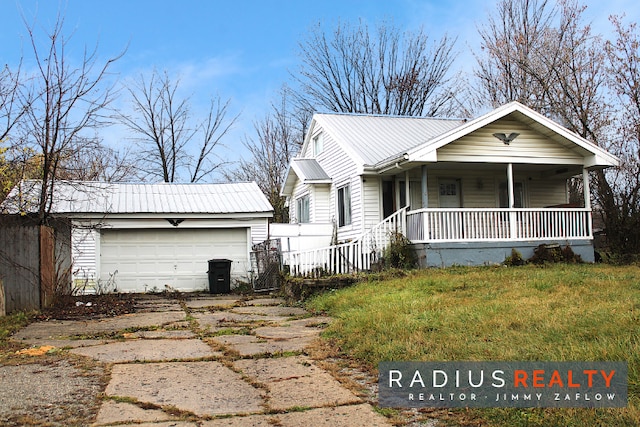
457	225
351	257
444	225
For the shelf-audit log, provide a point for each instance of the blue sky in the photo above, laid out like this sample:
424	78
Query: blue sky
242	50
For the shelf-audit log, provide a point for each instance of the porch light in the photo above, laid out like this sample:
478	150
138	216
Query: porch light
506	139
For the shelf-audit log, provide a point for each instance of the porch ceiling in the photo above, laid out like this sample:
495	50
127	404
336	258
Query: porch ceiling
559	171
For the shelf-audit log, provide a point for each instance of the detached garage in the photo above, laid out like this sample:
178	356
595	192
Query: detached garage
144	237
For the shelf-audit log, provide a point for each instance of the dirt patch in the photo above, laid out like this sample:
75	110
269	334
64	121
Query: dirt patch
89	307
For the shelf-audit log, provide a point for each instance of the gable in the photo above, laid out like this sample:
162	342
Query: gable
528	147
589	155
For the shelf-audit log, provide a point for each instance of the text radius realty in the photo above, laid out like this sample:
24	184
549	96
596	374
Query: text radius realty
536	378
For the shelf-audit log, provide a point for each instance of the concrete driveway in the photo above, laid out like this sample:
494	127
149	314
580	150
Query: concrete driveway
209	361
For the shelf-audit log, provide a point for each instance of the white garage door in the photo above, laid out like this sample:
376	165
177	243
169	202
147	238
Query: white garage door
147	260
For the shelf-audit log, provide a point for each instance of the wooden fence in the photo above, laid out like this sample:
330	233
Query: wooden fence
31	257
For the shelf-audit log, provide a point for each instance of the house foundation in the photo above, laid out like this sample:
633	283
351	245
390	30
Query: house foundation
447	254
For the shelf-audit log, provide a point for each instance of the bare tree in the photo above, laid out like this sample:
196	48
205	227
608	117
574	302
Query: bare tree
512	42
279	136
93	161
621	189
170	142
387	72
66	101
12	107
548	58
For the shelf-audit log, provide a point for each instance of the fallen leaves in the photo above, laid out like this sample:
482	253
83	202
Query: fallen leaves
36	351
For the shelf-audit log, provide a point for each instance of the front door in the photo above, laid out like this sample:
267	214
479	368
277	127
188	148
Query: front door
449	193
452	227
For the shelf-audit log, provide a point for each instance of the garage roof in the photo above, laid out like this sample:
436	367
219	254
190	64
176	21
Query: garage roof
123	198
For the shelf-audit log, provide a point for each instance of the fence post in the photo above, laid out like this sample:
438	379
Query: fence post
3	307
47	266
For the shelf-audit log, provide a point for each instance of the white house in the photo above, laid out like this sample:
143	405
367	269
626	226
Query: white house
141	237
463	191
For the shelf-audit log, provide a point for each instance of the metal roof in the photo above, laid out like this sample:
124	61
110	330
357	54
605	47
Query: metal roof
309	170
129	198
374	138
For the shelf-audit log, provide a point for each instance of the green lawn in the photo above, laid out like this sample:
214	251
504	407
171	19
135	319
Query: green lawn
554	313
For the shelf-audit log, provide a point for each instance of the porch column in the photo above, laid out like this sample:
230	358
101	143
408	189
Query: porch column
586	189
587	200
425	190
512	215
406	189
512	199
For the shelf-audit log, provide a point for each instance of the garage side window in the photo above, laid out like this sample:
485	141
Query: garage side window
344	206
302	209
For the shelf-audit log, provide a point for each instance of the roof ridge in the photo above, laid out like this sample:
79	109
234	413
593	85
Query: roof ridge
391	116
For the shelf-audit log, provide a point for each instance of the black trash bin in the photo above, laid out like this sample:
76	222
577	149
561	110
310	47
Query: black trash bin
219	276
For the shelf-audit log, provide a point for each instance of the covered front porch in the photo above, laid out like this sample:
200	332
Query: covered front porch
466	214
447	237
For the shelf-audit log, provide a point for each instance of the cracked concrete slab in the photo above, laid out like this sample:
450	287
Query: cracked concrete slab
249	345
148	350
277	310
56	329
265	301
211	302
295	382
286	332
175	334
151	304
219	392
268	370
120	412
226	318
315	321
202	388
341	416
248	421
308	392
162	424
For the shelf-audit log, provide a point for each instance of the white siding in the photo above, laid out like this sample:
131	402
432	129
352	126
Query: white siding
547	193
372	201
259	232
320	212
84	244
343	170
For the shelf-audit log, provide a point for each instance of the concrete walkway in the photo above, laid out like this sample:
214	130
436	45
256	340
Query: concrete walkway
210	361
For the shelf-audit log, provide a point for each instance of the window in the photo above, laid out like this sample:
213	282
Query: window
518	195
302	209
344	206
317	144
